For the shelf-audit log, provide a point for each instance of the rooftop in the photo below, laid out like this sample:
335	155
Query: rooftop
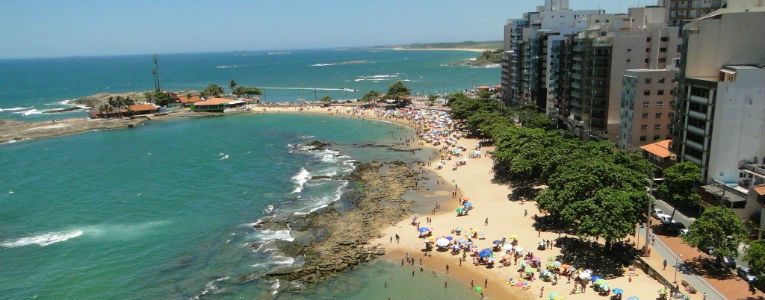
214	101
142	107
660	149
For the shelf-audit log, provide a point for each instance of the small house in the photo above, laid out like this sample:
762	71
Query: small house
216	105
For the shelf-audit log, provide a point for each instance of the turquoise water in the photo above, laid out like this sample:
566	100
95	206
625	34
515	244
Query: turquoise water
30	87
158	212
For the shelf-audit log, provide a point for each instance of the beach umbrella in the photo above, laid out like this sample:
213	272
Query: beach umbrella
450	238
600	281
519	249
424	229
519	284
618	291
553	296
485	253
528	270
507	247
513	236
556	264
466	198
633	298
595	278
459	210
468	204
496	242
442	242
478	289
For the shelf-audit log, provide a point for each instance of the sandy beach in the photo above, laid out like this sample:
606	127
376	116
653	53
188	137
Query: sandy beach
505	218
442	49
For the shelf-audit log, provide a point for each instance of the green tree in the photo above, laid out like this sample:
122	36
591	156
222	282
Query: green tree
232	85
398	89
213	90
717	228
248	92
371	96
484	95
326	100
755	257
680	185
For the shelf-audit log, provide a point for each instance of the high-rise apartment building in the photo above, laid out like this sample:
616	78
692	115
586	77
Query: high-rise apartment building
682	12
647	107
600	56
721	101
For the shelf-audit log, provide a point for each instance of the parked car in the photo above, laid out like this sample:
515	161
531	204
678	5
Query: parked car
743	272
658	212
668	220
729	262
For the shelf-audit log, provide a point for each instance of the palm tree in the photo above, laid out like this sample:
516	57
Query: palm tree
232	85
326	100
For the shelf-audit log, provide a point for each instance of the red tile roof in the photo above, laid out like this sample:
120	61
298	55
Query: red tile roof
193	99
213	101
660	149
759	189
142	107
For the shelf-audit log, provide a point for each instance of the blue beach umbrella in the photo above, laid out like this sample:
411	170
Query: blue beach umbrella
450	238
633	298
595	278
618	291
485	253
424	229
496	242
468	204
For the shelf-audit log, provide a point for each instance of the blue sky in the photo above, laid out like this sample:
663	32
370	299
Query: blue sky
39	28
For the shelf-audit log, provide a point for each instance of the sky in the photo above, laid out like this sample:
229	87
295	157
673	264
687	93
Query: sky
52	28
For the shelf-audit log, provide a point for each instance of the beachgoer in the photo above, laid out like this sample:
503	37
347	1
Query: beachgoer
447	269
541	292
525	212
445	284
397	238
471	283
486	283
386	284
412	273
391	240
664	264
486	222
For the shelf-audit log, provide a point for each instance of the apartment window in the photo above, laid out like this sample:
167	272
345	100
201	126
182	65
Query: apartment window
659	103
646	61
646	103
664	39
629	60
648	81
658	115
643	127
629	50
657	126
662	60
700	92
648	40
645	115
647	49
647	92
642	138
661	80
671	115
660	92
663	50
656	137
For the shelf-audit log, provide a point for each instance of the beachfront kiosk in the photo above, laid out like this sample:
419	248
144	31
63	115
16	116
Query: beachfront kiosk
216	105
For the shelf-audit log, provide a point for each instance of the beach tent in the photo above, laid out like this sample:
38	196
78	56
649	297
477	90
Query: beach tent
442	242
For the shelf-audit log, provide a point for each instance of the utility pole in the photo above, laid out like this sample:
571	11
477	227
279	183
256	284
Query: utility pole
155	73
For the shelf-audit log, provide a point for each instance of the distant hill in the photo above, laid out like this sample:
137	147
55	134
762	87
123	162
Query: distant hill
458	45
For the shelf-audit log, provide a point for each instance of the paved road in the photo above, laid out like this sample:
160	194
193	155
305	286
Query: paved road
672	258
680	217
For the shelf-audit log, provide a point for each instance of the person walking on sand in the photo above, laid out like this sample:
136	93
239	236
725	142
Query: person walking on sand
664	264
486	283
447	269
397	238
446	283
541	292
471	283
486	222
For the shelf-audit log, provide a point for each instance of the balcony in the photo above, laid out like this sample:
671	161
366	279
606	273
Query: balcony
694	145
697	115
696	130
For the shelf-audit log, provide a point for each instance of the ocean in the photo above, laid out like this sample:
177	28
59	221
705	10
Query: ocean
34	89
165	211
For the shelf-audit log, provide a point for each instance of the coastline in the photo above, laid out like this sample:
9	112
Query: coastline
478	50
506	218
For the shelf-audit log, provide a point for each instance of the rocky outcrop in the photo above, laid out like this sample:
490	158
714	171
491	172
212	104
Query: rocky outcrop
316	145
335	239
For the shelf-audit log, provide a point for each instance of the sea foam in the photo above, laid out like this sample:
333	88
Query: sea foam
42	240
300	179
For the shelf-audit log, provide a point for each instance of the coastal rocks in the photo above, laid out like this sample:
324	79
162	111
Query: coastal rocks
316	146
336	238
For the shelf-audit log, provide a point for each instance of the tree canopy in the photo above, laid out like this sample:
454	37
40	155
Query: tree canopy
397	91
371	96
718	228
755	257
212	90
680	184
248	92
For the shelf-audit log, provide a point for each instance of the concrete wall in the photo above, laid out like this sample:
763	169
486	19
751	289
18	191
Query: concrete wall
634	103
731	39
739	124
